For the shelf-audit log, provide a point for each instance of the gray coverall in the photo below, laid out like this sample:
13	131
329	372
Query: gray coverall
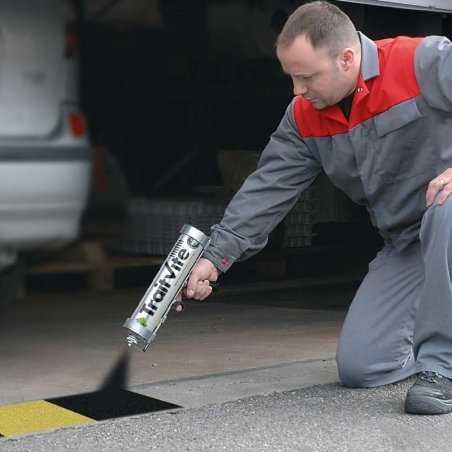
397	139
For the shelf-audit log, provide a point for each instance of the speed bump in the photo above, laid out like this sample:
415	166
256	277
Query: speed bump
39	415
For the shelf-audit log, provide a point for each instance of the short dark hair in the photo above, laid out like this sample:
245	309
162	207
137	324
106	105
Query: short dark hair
323	24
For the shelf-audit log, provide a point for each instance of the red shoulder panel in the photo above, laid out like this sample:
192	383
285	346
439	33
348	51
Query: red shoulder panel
395	84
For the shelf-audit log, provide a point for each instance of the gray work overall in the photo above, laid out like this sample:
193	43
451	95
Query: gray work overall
400	321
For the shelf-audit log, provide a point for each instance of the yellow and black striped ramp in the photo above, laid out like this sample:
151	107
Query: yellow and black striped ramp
38	415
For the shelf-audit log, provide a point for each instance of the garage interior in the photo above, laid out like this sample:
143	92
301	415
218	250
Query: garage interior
181	98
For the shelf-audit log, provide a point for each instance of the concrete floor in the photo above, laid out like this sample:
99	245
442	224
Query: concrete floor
64	344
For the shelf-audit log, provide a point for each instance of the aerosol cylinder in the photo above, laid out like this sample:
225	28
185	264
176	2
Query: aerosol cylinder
153	308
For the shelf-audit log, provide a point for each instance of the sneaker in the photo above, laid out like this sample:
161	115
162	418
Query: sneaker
430	394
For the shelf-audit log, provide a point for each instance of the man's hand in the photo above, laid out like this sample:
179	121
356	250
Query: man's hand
198	286
441	183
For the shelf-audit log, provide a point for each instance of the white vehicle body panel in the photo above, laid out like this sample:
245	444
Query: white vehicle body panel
31	68
44	169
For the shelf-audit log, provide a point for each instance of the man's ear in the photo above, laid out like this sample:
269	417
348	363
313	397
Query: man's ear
347	58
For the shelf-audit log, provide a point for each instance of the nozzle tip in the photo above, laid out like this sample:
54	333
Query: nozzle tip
131	340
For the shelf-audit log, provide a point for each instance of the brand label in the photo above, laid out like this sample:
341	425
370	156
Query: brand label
172	268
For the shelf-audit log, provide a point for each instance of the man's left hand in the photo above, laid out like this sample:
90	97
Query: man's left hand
441	183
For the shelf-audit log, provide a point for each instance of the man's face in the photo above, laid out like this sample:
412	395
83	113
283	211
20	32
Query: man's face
319	79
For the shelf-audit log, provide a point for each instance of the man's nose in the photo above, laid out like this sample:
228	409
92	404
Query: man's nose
299	87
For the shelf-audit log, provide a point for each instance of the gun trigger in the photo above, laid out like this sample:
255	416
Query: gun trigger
176	304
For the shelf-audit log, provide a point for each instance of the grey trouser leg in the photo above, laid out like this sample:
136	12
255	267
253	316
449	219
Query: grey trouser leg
376	342
406	295
433	324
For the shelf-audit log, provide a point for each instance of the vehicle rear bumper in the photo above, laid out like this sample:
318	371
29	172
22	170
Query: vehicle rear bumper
42	201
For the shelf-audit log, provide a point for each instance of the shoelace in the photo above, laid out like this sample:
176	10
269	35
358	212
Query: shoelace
430	377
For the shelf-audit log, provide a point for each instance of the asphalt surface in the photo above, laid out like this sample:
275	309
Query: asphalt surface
320	418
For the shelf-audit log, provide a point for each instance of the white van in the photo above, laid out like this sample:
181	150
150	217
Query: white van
45	153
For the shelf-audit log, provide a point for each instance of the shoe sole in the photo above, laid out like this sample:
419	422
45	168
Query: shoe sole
427	405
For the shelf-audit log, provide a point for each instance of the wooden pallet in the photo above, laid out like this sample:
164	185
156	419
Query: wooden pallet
91	259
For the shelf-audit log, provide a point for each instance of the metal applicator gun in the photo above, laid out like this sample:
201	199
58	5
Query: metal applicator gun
161	295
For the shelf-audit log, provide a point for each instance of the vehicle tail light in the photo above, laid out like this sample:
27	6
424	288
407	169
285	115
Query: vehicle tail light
77	125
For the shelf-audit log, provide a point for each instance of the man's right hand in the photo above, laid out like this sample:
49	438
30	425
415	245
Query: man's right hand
198	286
